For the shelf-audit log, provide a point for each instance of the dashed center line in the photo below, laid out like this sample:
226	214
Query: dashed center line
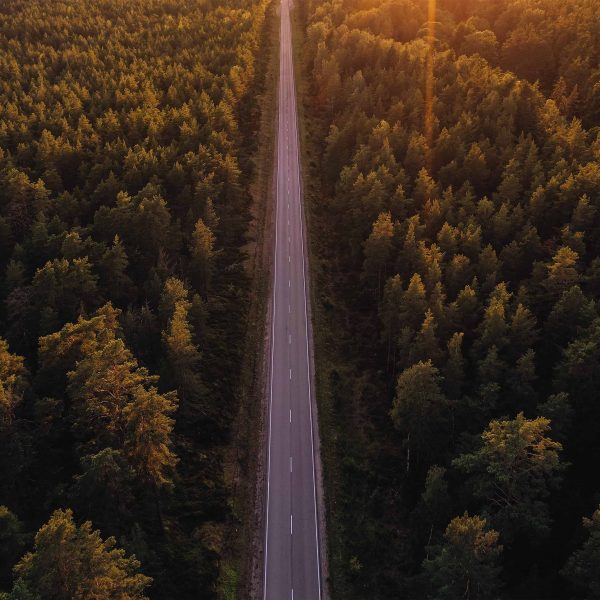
287	171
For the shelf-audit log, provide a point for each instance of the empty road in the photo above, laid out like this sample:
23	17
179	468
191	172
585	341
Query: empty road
292	561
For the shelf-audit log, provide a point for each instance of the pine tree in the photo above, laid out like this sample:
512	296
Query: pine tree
60	352
104	490
426	345
148	427
378	249
15	276
464	566
114	273
562	271
583	568
522	330
494	328
414	302
514	470
12	541
13	458
183	359
70	562
118	406
454	371
419	411
434	507
13	380
174	292
202	253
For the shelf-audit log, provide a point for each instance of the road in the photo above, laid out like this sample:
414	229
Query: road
292	557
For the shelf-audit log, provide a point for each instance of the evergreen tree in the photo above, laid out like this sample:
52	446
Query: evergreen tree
183	360
583	568
514	470
378	248
74	562
419	411
118	405
114	273
465	565
12	541
202	254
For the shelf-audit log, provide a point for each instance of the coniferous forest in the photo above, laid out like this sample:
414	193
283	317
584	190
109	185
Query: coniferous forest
451	156
126	137
454	190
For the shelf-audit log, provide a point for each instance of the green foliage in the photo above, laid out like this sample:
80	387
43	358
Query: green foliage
419	409
183	360
12	541
127	130
74	562
202	252
582	568
514	470
465	564
118	406
12	384
455	223
522	38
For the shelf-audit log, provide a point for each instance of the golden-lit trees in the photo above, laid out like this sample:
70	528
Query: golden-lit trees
514	470
465	565
460	178
75	562
115	402
123	124
12	383
202	252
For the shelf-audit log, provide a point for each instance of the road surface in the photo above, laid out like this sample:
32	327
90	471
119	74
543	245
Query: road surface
292	561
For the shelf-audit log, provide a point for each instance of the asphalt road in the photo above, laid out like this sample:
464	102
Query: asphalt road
292	567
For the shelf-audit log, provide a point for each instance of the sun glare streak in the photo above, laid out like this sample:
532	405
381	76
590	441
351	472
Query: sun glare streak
429	78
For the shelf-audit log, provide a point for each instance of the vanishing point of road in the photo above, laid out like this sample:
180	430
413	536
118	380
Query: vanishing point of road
292	553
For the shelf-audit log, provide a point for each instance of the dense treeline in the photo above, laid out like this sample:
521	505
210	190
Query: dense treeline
123	213
457	237
552	42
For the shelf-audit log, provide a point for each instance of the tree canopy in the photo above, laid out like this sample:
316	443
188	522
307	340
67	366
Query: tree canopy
453	206
71	562
127	134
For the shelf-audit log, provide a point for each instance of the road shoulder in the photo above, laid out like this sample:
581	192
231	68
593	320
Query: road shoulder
242	568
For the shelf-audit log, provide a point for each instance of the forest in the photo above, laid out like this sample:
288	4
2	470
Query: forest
453	189
127	130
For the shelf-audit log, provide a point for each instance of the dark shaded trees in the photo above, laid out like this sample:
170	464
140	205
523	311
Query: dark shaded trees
465	565
582	567
126	136
514	470
419	411
456	232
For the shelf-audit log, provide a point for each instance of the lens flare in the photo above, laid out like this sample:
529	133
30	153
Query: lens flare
429	78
